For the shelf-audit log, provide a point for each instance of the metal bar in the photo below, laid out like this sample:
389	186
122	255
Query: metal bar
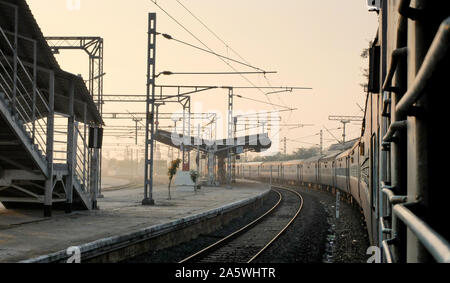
49	145
435	244
395	58
394	199
412	13
437	52
393	128
34	89
15	54
387	250
383	227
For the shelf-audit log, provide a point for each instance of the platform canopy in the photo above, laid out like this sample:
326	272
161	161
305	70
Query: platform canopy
256	143
29	31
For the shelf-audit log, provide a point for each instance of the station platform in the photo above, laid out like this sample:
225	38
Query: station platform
26	235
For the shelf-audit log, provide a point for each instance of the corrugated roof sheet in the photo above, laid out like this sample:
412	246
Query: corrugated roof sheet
29	28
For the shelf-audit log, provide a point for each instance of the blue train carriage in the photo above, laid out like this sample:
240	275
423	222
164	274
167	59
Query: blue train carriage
342	172
354	173
368	167
326	170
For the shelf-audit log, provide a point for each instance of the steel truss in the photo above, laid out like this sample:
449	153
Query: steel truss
93	46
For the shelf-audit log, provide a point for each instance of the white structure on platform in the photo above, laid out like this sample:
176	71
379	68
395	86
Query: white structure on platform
183	182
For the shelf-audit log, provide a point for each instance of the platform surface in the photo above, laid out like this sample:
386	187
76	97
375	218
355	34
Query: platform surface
26	234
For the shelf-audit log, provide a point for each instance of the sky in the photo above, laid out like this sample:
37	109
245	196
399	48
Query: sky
313	44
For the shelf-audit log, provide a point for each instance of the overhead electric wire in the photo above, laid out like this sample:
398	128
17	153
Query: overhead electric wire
332	135
260	101
228	46
169	73
170	37
188	31
211	31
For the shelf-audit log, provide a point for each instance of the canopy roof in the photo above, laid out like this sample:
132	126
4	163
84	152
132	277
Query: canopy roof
46	61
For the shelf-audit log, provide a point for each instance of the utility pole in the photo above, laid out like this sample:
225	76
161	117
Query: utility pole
321	142
230	136
285	146
136	120
150	111
345	120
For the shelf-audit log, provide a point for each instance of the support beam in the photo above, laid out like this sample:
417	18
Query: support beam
49	150
71	149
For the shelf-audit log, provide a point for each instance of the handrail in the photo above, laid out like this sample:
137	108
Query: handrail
437	52
22	101
435	244
387	250
23	66
412	13
393	129
395	58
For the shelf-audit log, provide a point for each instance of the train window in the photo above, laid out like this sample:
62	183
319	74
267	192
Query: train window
361	149
374	69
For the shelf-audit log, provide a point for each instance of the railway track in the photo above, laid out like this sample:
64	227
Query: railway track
247	243
133	185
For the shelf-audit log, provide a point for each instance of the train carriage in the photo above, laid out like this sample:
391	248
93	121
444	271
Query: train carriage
341	171
326	169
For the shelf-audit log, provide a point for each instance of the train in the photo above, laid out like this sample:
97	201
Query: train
396	171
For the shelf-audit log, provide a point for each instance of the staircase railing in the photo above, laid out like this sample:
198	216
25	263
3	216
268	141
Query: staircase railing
82	166
22	94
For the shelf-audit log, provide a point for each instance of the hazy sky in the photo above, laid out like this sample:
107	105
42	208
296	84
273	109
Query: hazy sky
310	43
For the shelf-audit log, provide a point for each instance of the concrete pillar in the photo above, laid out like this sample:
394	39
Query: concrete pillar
222	174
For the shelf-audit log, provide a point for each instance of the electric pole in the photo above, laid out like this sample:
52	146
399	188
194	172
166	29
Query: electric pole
136	120
321	142
345	120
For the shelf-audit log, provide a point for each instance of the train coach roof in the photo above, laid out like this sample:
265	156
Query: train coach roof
312	159
331	155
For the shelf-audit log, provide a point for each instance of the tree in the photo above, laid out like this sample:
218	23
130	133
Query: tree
174	165
365	71
194	177
301	153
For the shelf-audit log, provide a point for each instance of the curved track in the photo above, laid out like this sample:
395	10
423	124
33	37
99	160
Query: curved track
247	243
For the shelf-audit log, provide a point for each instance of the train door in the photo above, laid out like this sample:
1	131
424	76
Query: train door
374	185
333	173
347	172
